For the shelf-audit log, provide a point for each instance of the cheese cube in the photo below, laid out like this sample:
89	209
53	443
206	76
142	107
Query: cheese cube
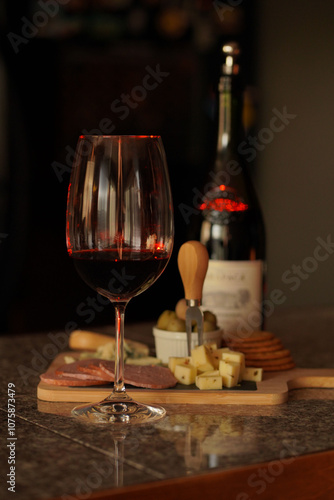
230	371
252	374
209	382
185	373
217	355
229	381
211	346
237	357
207	367
177	360
229	368
211	373
201	357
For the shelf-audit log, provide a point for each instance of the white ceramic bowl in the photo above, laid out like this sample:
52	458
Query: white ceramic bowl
175	343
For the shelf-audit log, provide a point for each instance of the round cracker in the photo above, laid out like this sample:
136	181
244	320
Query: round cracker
261	363
258	349
259	343
282	353
254	345
256	336
287	366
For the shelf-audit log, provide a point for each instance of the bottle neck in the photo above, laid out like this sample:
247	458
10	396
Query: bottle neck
227	198
229	116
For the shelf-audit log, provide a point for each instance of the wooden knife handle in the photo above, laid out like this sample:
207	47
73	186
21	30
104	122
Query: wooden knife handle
193	260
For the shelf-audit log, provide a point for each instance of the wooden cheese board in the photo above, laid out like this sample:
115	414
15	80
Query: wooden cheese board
272	390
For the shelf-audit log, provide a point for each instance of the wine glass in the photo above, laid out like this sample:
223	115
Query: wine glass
120	234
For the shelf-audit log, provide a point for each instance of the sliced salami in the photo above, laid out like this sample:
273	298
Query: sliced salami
52	378
149	376
94	371
83	370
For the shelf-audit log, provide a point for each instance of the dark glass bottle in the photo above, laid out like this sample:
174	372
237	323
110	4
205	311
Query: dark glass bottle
232	225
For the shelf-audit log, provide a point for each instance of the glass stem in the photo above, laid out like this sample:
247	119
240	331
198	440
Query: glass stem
119	386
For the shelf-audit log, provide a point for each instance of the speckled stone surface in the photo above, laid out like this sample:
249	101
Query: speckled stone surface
56	456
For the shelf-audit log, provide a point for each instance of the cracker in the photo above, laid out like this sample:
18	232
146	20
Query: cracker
257	336
252	345
259	348
261	363
268	355
263	350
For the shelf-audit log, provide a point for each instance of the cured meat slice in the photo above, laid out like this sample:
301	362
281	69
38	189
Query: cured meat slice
149	376
84	370
94	371
108	367
52	378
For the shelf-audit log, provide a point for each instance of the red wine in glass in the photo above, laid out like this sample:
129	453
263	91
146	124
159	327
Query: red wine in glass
120	234
120	279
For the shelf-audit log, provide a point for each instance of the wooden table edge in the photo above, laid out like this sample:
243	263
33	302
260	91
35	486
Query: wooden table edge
305	476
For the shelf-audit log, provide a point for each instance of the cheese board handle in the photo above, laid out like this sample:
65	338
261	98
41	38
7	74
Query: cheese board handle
193	261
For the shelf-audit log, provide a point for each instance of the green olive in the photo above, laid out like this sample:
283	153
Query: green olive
207	327
209	316
176	325
164	319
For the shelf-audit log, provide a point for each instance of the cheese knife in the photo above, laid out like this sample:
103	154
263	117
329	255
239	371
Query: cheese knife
193	260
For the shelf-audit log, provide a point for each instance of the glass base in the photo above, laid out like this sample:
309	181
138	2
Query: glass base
119	409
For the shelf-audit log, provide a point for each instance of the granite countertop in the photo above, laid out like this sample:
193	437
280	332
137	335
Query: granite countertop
57	456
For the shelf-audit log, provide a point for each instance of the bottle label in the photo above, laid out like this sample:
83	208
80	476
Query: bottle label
233	292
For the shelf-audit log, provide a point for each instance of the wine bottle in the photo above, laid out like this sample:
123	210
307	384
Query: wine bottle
232	226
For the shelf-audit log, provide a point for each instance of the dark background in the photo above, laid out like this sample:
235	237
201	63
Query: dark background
62	77
63	80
